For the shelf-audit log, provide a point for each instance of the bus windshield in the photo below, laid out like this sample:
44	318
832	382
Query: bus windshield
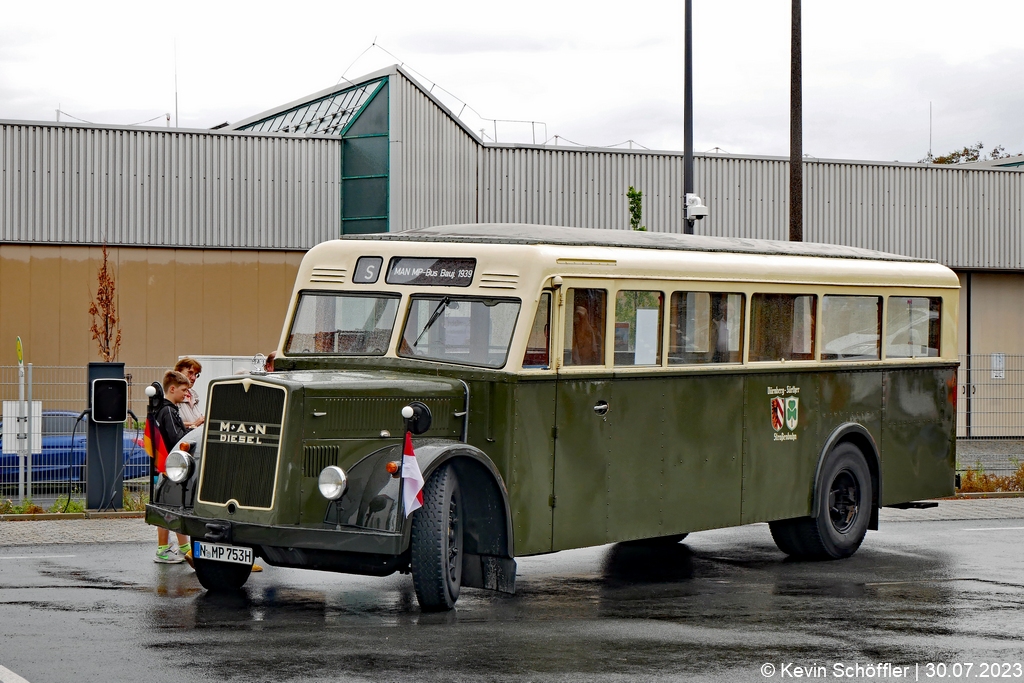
345	324
459	329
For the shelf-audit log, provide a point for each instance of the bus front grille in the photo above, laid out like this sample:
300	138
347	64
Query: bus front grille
243	438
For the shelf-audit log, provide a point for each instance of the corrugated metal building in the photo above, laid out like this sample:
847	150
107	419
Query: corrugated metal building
208	226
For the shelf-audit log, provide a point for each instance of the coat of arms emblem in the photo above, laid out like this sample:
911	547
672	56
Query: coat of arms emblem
778	412
792	412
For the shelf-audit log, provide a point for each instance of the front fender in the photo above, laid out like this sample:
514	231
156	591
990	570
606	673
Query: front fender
373	499
488	522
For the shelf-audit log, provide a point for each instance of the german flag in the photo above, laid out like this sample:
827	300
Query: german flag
154	444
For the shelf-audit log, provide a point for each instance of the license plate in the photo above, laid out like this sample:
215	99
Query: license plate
221	553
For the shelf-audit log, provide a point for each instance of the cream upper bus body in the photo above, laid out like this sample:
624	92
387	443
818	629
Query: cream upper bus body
518	261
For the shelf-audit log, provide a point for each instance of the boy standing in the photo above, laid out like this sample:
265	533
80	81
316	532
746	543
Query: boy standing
168	421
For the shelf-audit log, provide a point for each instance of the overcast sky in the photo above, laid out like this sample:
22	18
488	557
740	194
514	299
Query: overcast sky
593	73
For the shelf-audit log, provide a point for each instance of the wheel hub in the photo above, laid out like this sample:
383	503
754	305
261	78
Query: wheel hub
844	501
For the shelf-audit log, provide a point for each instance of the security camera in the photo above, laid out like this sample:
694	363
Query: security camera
694	208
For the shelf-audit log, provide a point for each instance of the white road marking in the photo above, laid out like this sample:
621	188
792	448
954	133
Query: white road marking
893	551
33	557
8	676
997	528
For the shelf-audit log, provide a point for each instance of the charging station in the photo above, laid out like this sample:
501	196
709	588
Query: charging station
104	458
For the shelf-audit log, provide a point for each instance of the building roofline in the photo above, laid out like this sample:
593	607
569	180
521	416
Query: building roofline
115	126
319	94
1012	163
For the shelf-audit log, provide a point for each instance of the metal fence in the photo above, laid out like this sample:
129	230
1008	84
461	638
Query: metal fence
990	423
58	458
990	412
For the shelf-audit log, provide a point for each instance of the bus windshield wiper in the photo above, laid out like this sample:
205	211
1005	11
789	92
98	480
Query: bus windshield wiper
433	318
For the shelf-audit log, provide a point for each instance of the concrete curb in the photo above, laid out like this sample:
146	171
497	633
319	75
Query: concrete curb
990	494
49	516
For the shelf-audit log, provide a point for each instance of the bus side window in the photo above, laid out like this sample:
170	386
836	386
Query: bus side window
705	327
782	327
638	328
912	327
851	327
539	345
584	326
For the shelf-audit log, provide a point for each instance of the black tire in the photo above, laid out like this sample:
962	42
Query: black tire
437	543
786	534
843	503
221	577
657	541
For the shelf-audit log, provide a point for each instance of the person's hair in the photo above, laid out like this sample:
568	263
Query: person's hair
174	378
268	365
187	363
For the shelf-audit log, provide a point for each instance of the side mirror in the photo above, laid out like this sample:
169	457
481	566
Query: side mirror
155	394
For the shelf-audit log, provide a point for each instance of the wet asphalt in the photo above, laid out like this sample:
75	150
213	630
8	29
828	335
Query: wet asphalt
721	606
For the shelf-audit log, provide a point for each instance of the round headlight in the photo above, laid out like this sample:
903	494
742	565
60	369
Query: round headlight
178	466
333	482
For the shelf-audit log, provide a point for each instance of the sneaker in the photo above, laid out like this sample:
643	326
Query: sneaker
167	556
185	553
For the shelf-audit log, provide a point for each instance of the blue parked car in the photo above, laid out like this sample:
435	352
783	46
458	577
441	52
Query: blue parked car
62	461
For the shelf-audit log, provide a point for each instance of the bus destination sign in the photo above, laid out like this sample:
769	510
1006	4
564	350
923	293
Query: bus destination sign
444	272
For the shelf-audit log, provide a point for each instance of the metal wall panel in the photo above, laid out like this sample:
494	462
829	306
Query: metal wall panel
963	218
587	188
581	188
433	169
78	184
88	185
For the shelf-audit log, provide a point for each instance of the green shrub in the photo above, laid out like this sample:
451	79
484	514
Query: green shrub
62	505
976	480
8	507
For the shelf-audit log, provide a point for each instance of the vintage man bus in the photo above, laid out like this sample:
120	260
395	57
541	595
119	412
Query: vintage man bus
571	387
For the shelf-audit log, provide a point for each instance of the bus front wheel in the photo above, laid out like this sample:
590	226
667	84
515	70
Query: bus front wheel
437	543
221	577
843	504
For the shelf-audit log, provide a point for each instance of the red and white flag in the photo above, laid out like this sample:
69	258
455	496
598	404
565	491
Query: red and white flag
412	478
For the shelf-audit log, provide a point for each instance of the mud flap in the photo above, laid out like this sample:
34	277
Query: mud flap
489	572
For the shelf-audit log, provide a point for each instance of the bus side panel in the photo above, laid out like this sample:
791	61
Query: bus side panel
781	445
852	397
700	444
918	435
581	458
530	473
634	476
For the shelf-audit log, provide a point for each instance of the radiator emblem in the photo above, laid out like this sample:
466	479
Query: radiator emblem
253	433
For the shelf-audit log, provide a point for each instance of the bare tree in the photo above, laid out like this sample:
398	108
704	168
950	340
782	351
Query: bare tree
105	328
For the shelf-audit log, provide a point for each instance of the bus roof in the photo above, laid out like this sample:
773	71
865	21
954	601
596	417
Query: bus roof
531	234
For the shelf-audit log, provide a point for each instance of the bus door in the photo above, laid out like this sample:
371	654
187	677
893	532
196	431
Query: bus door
580	488
675	428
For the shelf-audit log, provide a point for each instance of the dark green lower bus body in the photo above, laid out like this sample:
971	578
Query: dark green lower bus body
552	463
680	454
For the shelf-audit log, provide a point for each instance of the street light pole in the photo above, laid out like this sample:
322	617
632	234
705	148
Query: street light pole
796	169
687	115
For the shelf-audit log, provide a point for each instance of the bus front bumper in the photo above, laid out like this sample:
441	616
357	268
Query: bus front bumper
350	550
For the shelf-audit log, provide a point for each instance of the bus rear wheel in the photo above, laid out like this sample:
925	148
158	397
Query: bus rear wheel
437	543
843	504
